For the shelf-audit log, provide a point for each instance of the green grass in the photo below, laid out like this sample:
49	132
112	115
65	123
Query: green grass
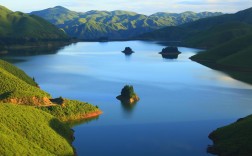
218	34
26	130
17	86
21	27
225	52
234	139
232	57
17	72
70	110
242	58
29	131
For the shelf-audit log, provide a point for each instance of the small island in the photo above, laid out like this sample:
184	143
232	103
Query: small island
128	51
170	52
128	95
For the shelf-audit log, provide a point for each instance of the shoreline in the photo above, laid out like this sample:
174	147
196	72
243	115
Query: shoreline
93	114
214	65
82	116
243	74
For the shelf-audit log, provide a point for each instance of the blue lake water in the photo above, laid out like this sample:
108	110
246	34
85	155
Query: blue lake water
181	101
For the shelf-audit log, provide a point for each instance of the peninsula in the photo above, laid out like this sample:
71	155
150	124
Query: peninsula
32	122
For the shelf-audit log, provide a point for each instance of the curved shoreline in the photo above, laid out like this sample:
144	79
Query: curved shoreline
91	115
214	65
83	116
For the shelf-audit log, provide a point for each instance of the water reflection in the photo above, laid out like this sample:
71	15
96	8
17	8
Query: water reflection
127	57
50	48
83	121
127	107
12	60
170	52
127	54
170	56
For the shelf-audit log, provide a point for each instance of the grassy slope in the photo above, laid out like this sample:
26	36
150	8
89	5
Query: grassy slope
234	139
218	34
17	25
17	72
233	57
28	131
230	53
241	58
15	84
71	110
171	33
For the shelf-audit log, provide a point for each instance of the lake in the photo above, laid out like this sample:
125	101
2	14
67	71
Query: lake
181	101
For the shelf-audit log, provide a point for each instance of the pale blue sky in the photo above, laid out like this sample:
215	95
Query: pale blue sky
140	6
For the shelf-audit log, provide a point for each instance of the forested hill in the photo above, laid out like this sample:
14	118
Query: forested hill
93	25
206	32
18	26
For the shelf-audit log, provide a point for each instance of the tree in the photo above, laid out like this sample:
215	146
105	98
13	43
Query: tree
127	91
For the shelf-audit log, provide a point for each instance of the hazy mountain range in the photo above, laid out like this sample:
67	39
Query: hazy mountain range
205	30
117	24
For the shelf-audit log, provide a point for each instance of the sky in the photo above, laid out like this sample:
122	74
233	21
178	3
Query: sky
140	6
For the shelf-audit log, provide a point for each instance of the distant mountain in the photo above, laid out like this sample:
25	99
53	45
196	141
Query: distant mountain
115	24
206	32
231	44
230	38
20	26
227	38
203	24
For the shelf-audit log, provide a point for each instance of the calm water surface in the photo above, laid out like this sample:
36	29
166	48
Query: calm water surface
181	101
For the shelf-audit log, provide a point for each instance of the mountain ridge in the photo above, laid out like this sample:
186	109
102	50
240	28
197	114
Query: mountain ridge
117	24
16	26
189	30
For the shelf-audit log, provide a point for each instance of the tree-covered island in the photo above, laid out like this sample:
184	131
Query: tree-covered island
128	95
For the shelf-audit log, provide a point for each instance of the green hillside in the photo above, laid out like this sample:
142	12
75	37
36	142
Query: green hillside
227	38
26	126
171	33
115	24
17	87
218	34
71	110
234	139
29	131
233	57
234	53
17	72
203	24
206	32
18	26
